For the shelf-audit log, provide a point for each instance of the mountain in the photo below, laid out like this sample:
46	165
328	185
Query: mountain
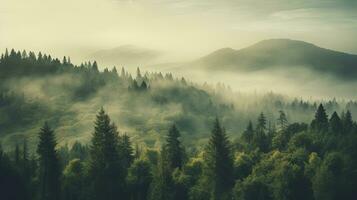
285	53
126	55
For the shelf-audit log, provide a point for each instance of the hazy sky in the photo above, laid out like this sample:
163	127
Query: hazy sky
186	27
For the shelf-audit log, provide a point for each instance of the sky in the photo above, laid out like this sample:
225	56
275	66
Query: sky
184	28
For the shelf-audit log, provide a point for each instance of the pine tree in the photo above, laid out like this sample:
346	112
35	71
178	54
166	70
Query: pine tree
282	120
17	154
123	74
138	74
335	123
95	66
260	139
248	134
173	148
126	151
219	163
163	185
320	123
347	122
139	178
105	172
49	174
143	86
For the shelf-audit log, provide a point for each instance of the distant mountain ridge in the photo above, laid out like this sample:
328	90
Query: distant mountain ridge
282	53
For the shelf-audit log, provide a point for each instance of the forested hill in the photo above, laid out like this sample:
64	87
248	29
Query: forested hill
36	87
72	132
284	54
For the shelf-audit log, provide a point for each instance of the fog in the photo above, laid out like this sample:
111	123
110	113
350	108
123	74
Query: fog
183	29
298	82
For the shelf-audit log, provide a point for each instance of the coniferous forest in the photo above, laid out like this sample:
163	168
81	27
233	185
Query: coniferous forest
73	132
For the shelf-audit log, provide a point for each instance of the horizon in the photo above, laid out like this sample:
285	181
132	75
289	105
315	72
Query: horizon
183	29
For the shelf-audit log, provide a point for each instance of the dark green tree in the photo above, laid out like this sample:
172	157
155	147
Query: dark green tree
126	151
248	134
73	181
105	171
49	171
335	123
139	179
347	122
162	187
282	120
260	139
219	164
320	123
173	148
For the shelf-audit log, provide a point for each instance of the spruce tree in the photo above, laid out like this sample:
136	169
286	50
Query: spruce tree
320	123
282	120
105	172
219	163
126	151
335	123
248	134
173	148
347	122
162	185
17	154
260	139
49	172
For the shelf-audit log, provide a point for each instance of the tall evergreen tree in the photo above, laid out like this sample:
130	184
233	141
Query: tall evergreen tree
260	139
17	154
320	123
248	134
219	163
49	174
282	120
105	172
173	148
126	151
25	153
335	123
347	122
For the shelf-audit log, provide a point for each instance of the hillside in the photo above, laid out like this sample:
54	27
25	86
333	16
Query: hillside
284	54
38	88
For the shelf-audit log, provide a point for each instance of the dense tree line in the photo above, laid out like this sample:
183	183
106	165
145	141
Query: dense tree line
287	160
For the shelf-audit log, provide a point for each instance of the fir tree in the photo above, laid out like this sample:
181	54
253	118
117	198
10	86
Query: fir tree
320	123
335	123
126	151
248	134
163	186
260	139
106	173
173	148
49	174
347	122
282	120
219	163
17	154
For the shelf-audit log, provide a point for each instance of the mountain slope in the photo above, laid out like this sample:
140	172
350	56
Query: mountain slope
282	53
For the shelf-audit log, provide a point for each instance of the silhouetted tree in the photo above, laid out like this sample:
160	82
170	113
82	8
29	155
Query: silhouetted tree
219	164
49	171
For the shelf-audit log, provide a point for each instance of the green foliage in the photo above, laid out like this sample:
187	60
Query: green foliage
320	123
49	168
218	163
105	170
294	161
139	179
173	148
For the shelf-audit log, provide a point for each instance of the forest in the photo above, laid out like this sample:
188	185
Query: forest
75	132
